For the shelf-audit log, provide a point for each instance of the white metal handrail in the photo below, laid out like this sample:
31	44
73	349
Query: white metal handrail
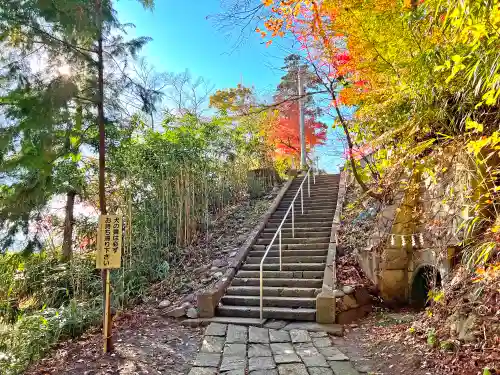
278	231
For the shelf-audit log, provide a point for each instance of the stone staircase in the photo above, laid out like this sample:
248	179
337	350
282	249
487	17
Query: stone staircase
289	294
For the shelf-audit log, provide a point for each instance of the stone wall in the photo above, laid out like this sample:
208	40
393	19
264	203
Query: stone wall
430	208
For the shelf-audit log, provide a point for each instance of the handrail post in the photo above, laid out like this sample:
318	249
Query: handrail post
261	292
293	219
302	200
280	250
314	174
309	185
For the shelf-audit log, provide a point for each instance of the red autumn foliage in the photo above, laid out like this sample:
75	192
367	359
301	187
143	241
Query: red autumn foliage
286	133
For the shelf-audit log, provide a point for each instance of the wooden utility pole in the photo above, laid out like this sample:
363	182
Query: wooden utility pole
303	161
107	318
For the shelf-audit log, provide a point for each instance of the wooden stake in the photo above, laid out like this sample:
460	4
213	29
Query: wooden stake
107	341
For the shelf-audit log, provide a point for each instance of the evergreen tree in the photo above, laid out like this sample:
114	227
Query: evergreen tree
50	114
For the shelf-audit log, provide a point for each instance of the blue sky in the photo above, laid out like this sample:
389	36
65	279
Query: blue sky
183	38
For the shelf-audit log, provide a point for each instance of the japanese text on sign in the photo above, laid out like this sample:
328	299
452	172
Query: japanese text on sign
109	242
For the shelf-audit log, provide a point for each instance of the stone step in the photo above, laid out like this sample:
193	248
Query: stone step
286	259
285	267
298	234
298	214
303	246
325	190
319	185
315	189
307	210
284	313
303	219
294	240
281	274
306	224
310	198
308	203
278	282
282	209
298	231
241	321
294	302
273	291
289	253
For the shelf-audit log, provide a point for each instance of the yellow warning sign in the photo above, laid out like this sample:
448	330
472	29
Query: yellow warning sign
109	242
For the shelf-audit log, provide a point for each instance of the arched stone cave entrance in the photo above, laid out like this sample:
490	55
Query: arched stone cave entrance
426	278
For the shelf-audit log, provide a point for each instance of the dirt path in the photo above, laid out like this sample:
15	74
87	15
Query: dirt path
367	345
145	343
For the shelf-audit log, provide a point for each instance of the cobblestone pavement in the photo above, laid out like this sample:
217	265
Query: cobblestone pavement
233	350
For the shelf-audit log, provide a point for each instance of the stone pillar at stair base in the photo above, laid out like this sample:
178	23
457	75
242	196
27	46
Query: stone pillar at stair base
207	301
205	304
325	308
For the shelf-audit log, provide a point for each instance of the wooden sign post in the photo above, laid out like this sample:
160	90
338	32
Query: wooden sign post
109	255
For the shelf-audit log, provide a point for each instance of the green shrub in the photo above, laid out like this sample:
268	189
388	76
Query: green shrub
34	334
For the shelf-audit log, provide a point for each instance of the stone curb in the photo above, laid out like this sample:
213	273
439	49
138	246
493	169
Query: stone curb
325	301
208	300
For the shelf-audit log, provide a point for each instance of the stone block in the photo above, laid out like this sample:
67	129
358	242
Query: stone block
261	363
206	305
259	350
292	369
310	356
346	303
320	371
177	312
333	354
394	259
207	360
276	324
279	336
240	371
230	363
334	329
235	350
287	358
315	361
203	371
264	372
208	300
216	329
282	348
325	308
299	336
322	342
236	334
317	334
343	368
258	335
212	344
393	285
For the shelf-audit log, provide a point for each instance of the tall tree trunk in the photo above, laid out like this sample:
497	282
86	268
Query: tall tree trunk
68	226
102	127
